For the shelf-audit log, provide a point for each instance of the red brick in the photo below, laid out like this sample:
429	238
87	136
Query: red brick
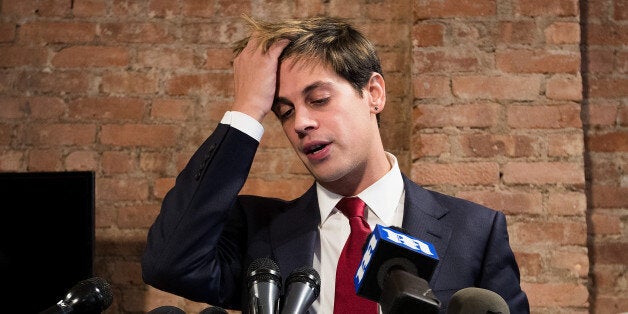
18	56
560	33
491	145
563	87
470	115
171	109
611	253
621	63
564	233
565	145
608	87
61	134
89	8
215	84
107	108
137	32
11	161
555	8
91	56
13	108
46	107
428	34
471	173
544	117
556	294
530	264
509	202
57	32
606	34
600	61
497	87
605	223
57	82
157	162
45	160
431	86
130	83
602	113
613	303
543	173
198	8
110	189
517	32
450	60
162	186
567	204
537	61
20	8
620	11
7	32
118	162
575	262
219	59
139	135
604	172
81	160
388	33
388	10
608	142
453	8
6	131
609	196
221	33
424	145
137	216
623	115
166	58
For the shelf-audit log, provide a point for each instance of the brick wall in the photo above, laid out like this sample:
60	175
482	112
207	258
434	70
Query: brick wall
485	101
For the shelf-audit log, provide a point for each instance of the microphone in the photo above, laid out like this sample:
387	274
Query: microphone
395	270
302	288
474	300
166	309
213	310
91	295
264	284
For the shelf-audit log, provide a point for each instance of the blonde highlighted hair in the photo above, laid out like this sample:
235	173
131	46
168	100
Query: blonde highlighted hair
330	40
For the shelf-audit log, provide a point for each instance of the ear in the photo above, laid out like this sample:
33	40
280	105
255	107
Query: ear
376	89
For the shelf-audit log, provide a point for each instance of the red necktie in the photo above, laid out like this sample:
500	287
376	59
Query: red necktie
346	300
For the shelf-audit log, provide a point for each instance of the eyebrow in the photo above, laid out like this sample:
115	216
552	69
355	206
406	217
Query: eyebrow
283	100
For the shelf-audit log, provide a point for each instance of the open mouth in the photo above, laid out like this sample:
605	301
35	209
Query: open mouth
313	149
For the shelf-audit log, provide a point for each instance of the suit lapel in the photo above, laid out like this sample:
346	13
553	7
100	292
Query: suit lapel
421	219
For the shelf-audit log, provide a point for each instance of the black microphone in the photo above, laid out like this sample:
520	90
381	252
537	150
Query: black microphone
166	309
91	295
213	310
474	300
264	285
395	270
302	288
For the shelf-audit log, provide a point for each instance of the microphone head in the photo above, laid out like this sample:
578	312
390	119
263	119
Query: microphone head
90	296
166	309
263	270
308	275
473	300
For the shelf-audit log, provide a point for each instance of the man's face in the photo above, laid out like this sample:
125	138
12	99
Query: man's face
332	128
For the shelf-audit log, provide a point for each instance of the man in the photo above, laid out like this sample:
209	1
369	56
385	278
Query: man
324	82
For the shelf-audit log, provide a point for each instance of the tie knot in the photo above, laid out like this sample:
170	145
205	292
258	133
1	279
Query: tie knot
351	207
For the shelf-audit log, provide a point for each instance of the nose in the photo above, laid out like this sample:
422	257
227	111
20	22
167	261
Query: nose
304	121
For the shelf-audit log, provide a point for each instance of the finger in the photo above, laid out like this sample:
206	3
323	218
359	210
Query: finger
277	47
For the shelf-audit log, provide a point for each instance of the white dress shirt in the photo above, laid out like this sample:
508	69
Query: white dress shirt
384	200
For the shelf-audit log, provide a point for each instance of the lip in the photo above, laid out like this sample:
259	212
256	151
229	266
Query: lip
316	155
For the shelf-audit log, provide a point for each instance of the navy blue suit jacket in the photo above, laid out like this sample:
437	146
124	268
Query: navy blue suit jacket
206	235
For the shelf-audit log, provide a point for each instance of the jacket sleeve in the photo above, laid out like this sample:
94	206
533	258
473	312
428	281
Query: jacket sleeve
195	246
500	272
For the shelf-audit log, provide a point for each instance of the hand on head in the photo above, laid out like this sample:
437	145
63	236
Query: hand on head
255	76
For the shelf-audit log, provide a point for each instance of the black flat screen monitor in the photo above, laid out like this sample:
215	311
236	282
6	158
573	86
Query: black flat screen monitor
46	237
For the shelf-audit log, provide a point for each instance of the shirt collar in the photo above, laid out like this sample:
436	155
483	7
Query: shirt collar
382	197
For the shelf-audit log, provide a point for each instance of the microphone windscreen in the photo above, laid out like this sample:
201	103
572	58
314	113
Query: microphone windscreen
263	269
473	300
166	309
